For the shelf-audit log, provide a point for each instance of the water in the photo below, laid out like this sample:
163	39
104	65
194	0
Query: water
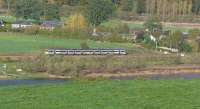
154	77
29	82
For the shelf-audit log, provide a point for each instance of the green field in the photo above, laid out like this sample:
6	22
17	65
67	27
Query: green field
15	43
138	25
137	94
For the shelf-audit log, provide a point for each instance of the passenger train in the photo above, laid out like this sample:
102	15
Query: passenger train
85	52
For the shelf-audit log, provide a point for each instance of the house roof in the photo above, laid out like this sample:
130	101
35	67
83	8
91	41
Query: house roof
50	23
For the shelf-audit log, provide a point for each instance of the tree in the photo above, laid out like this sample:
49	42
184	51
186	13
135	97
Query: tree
50	9
72	2
153	24
127	5
196	6
141	7
28	9
52	12
98	11
76	22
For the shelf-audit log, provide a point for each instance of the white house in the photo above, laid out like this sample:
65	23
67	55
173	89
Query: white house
21	24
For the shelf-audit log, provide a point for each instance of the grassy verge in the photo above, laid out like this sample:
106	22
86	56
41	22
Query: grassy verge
15	43
139	94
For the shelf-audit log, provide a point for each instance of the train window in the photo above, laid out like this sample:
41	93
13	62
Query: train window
116	52
78	52
97	52
122	52
70	52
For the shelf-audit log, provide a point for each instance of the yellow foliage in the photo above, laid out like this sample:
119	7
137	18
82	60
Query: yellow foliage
76	22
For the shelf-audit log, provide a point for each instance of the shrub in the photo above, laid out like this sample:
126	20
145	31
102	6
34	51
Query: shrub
84	45
115	37
153	24
6	28
33	30
148	42
79	66
186	47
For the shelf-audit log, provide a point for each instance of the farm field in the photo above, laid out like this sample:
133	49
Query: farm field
139	25
15	43
128	94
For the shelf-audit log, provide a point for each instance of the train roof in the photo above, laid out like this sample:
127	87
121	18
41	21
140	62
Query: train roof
85	49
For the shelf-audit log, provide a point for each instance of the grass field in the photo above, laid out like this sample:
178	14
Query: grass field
19	43
137	94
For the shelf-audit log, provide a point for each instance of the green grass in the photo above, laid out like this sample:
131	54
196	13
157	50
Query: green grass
138	94
117	23
19	43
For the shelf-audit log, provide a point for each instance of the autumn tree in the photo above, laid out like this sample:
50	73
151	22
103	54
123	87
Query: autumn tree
76	22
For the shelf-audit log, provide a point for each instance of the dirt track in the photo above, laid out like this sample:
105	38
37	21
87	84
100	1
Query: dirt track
151	71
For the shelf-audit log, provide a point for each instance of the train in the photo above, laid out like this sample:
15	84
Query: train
85	52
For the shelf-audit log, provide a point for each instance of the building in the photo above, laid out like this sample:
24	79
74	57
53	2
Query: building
49	25
21	24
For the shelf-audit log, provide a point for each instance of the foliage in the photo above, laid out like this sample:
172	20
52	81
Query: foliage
115	37
127	5
76	22
176	40
36	9
186	47
51	12
181	10
5	28
33	30
153	24
28	9
73	65
147	42
98	11
84	45
8	19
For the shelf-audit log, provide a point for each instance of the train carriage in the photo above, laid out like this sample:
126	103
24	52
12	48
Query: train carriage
85	52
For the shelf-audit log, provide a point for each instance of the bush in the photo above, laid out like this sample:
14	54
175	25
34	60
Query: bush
186	47
33	30
84	45
148	42
115	37
6	28
153	24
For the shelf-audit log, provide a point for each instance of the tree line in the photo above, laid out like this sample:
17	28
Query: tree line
52	9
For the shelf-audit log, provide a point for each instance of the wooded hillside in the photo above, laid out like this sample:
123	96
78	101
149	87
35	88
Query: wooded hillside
164	9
